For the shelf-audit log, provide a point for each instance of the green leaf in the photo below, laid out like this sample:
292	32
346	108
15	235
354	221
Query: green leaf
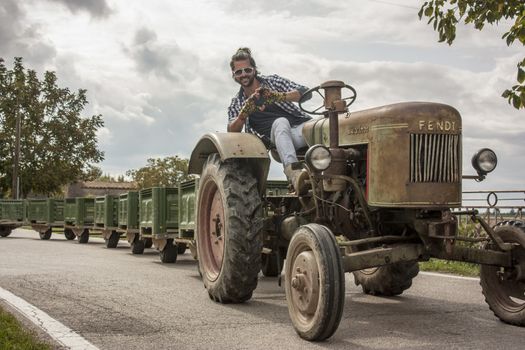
506	93
516	101
521	75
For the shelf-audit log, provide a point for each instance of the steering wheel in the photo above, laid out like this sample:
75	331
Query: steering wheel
350	99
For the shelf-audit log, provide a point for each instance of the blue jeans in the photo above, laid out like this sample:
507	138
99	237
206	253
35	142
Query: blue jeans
287	139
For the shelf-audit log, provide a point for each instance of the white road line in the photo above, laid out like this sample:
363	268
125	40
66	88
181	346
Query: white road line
449	276
62	334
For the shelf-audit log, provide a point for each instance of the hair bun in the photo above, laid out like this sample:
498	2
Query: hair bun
245	50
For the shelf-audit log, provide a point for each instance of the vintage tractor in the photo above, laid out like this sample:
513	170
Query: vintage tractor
381	189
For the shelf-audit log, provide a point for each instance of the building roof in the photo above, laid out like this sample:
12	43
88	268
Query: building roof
108	185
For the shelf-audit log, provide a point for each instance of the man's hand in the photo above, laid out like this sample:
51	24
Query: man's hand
258	101
268	96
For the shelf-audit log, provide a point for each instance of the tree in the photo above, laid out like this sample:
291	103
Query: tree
444	15
57	145
91	173
167	172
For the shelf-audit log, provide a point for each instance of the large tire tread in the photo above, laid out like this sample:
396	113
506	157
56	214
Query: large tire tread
507	311
388	280
331	305
242	251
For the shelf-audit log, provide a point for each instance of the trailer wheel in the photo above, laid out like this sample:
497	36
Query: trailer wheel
137	245
181	248
84	236
504	288
169	254
388	280
148	243
5	231
45	235
229	240
315	282
69	234
113	239
271	264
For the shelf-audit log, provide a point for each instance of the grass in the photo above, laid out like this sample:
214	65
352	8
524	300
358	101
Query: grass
13	336
452	267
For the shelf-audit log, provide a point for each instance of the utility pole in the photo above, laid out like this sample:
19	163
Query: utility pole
16	160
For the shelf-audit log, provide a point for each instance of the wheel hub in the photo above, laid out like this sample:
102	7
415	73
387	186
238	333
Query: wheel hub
216	224
305	283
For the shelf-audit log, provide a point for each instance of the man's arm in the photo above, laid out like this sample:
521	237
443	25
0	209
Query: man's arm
237	124
293	96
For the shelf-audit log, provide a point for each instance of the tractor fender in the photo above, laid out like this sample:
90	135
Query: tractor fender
233	145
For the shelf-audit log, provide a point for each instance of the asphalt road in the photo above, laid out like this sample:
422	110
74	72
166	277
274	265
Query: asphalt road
117	300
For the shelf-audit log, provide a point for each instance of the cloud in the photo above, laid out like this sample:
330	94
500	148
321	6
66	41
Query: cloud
20	39
163	60
160	75
96	8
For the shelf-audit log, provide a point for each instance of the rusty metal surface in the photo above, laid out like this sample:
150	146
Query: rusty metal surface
386	132
228	145
382	256
232	145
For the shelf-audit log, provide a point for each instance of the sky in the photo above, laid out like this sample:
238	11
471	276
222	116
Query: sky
158	71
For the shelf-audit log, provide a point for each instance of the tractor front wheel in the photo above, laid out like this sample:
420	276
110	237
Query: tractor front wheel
315	282
504	288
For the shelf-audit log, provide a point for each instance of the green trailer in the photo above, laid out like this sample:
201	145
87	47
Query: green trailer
44	214
12	215
79	217
128	221
187	210
106	219
158	221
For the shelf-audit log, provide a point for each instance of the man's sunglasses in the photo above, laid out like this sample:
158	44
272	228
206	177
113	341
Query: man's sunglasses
247	70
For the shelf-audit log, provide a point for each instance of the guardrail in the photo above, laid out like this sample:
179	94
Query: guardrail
493	207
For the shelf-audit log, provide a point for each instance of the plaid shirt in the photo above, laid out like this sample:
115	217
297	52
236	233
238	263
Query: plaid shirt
275	83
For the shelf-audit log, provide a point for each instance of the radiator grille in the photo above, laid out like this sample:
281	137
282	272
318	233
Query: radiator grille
434	158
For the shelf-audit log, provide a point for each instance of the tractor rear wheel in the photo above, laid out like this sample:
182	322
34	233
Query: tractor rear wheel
229	227
504	288
315	282
45	235
148	243
388	280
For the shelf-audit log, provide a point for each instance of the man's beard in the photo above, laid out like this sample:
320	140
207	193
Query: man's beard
246	81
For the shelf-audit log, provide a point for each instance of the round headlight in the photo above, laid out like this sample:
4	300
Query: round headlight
318	157
484	161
